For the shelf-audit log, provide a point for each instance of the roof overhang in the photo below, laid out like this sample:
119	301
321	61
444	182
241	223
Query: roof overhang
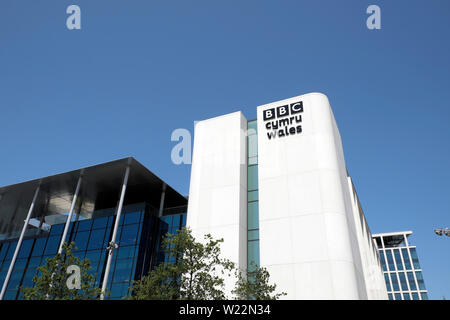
100	189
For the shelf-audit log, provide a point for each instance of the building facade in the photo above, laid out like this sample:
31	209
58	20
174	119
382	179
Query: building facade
401	268
119	204
277	190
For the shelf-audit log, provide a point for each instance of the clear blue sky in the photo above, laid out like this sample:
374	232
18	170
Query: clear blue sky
137	70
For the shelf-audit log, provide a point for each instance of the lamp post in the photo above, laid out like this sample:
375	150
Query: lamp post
440	231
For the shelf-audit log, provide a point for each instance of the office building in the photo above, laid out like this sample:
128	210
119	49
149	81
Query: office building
121	195
277	190
401	267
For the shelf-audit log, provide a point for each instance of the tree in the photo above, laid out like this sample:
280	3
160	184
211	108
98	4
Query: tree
63	277
192	270
253	284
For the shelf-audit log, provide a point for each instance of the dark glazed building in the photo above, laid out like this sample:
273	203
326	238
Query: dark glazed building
118	212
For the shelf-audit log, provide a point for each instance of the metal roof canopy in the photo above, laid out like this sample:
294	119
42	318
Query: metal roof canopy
100	189
392	239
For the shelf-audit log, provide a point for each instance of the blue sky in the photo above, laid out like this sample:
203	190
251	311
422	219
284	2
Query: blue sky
137	70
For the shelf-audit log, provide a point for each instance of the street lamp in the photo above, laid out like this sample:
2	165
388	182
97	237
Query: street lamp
441	231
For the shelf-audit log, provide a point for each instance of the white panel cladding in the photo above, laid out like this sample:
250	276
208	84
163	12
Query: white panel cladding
218	188
304	208
373	275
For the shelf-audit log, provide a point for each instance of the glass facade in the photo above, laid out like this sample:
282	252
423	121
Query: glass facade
400	263
91	236
252	195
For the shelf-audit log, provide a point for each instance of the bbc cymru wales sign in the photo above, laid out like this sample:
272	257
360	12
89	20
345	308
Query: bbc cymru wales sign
283	121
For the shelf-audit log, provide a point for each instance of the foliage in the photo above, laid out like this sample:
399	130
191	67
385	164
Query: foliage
51	279
253	284
192	270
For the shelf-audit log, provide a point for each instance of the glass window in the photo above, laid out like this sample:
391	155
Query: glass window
390	260
80	254
107	238
129	234
253	253
253	215
414	258
183	221
10	295
406	296
406	259
403	283
415	296
3	250
133	269
34	262
424	295
84	225
252	127
100	223
252	145
111	221
398	259
398	296
126	252
119	290
12	248
252	196
14	281
81	240
132	217
57	229
122	270
39	246
383	261
25	249
412	283
252	161
93	256
395	282
390	296
20	264
167	219
420	281
52	245
28	278
96	239
253	235
388	283
252	182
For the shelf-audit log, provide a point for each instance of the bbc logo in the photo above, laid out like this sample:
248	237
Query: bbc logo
283	111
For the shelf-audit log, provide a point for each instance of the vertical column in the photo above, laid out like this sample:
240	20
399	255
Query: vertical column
19	243
69	218
113	245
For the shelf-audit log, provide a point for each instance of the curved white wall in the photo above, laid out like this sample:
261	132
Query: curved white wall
310	240
306	239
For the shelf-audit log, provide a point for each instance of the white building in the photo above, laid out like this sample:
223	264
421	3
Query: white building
277	190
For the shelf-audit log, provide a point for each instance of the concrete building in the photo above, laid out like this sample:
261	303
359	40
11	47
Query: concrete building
278	191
